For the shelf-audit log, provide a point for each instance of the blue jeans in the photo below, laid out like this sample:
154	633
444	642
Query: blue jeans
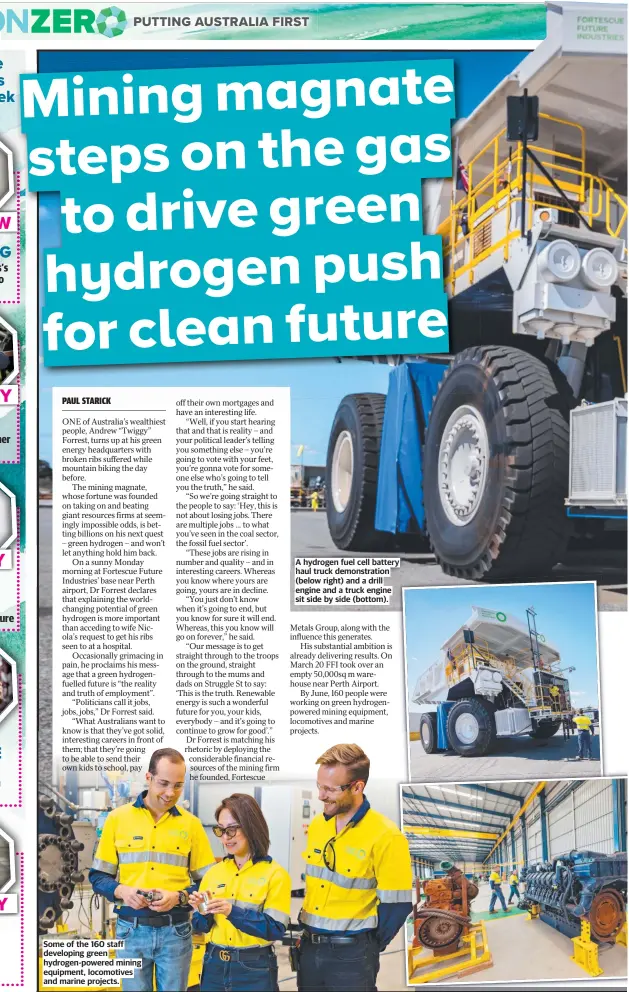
255	971
585	744
166	953
496	893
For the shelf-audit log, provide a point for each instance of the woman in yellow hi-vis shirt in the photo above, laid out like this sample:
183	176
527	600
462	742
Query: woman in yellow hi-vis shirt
243	903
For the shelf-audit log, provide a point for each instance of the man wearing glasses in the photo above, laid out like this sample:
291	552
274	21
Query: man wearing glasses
358	880
150	856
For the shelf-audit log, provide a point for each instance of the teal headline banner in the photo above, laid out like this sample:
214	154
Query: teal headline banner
241	213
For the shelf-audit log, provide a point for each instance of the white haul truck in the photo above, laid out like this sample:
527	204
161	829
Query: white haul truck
496	678
498	453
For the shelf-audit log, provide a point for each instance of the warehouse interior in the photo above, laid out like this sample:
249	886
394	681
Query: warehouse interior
78	804
566	843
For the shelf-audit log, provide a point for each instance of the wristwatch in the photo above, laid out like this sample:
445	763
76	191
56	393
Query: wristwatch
183	898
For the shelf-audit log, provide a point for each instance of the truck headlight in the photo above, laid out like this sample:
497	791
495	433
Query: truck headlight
559	261
599	268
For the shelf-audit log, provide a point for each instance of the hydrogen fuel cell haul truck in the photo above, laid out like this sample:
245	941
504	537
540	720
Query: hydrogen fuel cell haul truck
496	678
497	453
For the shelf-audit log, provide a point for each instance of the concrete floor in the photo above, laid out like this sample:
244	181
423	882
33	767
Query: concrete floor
530	950
511	758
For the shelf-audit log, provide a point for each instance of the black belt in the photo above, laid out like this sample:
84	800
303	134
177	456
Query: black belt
330	938
163	920
237	953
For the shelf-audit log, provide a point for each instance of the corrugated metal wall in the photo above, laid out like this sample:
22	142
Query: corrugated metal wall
519	847
561	827
534	833
584	820
594	817
552	790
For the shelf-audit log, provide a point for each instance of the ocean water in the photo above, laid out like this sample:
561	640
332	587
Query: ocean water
386	22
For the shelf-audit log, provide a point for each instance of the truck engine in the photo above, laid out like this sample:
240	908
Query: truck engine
581	885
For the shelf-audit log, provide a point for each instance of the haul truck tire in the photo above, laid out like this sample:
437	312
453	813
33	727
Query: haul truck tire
544	731
352	473
471	727
428	732
496	465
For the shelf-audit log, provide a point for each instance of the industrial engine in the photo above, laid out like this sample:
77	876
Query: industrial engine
58	863
582	885
444	917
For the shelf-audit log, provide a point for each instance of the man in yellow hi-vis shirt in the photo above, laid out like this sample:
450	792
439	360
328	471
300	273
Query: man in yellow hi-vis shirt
495	882
150	856
358	880
514	891
584	726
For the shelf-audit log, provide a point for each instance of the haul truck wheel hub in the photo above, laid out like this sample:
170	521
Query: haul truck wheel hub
466	728
342	470
463	457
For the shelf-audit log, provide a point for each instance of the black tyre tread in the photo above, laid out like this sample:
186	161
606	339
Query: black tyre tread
432	719
542	732
481	708
531	528
363	536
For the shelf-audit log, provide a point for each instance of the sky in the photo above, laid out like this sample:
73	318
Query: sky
317	386
566	615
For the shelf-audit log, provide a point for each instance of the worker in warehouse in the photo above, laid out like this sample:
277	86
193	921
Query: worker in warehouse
150	857
495	882
358	880
242	924
584	729
514	891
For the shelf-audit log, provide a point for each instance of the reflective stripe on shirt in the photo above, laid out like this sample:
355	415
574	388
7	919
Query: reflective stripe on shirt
276	915
328	923
198	873
242	904
99	865
158	857
334	876
394	895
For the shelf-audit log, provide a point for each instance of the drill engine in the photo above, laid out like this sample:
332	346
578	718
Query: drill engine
444	917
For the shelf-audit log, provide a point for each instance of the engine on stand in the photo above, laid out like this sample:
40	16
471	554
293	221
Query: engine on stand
580	886
58	863
441	921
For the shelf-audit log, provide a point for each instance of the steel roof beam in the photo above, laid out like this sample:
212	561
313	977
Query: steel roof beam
444	816
494	792
451	805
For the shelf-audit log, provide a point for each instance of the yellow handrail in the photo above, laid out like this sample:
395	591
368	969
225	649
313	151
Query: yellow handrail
496	190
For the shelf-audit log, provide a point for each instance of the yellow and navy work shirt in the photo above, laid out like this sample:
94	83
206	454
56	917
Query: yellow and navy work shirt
358	879
495	879
582	722
260	896
134	849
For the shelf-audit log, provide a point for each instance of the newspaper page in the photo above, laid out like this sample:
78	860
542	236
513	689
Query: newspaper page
313	319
